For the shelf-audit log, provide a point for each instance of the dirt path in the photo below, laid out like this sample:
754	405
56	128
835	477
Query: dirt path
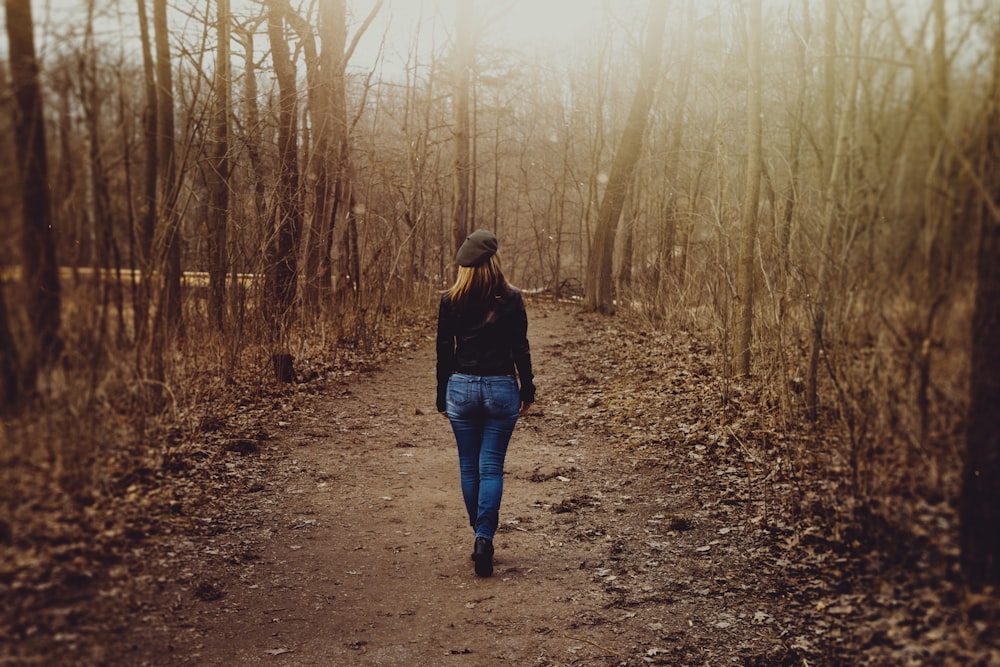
644	522
364	554
357	552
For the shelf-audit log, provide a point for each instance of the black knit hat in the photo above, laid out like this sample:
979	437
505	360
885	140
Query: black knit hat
478	247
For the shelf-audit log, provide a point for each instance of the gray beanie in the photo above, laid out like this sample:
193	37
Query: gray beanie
478	247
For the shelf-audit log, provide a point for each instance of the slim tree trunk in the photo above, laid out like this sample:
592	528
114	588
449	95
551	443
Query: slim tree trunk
938	213
837	165
794	148
287	213
167	169
41	273
252	123
628	222
218	175
463	167
107	254
599	270
830	67
751	197
147	224
333	18
320	119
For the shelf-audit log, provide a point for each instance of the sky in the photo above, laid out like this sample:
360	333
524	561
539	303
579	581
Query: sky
548	26
554	28
551	25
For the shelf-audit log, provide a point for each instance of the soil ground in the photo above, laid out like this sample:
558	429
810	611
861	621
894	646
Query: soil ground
642	523
357	551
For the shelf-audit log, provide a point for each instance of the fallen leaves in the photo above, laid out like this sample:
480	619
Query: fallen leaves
771	508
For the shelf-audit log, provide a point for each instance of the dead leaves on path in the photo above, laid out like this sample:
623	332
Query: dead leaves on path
760	517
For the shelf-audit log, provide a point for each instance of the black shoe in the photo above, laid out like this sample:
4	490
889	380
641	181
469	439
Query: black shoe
482	554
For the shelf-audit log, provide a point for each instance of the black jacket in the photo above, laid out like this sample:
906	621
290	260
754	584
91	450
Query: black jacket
484	339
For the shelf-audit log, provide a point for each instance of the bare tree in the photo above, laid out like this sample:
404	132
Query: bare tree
219	172
335	135
751	196
147	222
320	75
463	64
170	241
282	264
795	132
107	255
251	119
41	273
836	162
599	271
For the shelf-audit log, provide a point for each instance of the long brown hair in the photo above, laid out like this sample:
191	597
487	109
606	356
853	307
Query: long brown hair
478	283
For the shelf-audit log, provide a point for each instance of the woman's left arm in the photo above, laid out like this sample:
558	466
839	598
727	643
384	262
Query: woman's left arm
521	351
445	352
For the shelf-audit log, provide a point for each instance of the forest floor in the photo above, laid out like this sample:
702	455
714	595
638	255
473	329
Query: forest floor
638	526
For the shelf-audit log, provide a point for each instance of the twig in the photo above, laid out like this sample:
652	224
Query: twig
594	644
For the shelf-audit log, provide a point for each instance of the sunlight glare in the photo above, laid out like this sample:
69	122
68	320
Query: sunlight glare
547	23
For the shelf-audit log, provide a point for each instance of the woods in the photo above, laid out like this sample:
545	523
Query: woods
209	199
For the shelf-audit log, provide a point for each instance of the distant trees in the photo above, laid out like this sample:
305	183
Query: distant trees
805	204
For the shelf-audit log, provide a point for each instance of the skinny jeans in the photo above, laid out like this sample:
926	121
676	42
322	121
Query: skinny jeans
483	410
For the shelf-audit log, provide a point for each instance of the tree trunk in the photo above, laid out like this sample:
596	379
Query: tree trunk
41	273
251	135
836	163
332	26
980	501
830	66
794	147
599	287
287	214
751	201
218	176
333	19
463	167
167	169
979	505
107	254
627	224
147	225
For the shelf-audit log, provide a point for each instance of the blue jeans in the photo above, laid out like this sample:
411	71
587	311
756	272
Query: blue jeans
483	411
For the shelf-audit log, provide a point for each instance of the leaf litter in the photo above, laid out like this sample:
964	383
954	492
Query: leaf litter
713	548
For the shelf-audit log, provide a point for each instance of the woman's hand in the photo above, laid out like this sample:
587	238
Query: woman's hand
524	408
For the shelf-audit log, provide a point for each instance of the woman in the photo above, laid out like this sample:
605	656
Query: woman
482	340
